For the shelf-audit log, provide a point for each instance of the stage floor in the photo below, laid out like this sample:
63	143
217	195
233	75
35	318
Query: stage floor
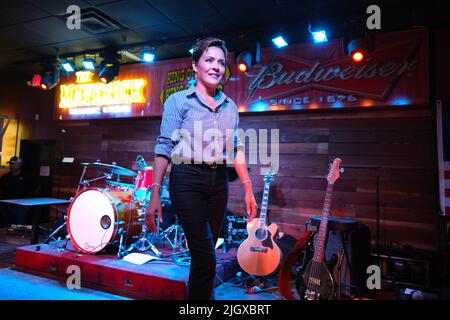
163	279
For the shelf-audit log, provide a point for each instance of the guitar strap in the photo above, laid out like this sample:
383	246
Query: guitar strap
284	276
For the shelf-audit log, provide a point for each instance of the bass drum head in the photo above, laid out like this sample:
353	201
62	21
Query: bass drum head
90	221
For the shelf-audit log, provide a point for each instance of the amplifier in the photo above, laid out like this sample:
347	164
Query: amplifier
407	271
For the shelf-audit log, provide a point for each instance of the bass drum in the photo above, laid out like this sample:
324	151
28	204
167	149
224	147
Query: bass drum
97	217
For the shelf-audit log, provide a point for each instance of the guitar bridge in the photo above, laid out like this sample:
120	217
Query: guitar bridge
258	249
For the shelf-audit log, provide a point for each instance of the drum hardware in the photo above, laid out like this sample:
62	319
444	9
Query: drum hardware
140	161
55	232
143	243
86	183
111	168
236	231
122	251
174	235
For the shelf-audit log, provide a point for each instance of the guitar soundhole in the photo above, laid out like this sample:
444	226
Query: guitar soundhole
261	234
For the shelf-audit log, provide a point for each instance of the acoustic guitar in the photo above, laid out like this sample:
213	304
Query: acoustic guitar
259	255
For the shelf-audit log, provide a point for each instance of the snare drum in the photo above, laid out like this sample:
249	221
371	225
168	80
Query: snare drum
97	217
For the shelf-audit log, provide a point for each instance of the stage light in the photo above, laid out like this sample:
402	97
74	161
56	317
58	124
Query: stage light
89	64
191	51
279	42
358	49
319	36
358	56
244	61
109	68
50	77
148	56
68	66
248	57
36	80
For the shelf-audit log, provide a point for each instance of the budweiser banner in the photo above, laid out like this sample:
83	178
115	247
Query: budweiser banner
297	77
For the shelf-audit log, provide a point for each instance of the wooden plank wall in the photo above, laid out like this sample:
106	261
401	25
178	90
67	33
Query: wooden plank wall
394	144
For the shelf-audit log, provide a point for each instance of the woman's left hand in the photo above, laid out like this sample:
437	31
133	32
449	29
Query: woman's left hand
250	204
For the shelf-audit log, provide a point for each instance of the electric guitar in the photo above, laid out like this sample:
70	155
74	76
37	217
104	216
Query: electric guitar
259	255
317	280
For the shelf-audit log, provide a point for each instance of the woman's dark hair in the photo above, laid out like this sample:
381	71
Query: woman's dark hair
201	45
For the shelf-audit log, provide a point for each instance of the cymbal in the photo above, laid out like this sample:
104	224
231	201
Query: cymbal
111	168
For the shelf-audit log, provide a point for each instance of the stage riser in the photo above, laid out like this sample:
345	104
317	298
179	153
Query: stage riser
107	273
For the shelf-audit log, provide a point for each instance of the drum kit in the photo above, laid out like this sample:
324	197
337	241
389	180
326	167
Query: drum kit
112	214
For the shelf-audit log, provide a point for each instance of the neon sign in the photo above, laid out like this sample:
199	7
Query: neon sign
121	92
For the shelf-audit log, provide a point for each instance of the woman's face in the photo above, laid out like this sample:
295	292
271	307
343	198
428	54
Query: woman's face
210	68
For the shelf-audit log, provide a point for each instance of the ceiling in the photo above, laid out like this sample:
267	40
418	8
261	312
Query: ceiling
32	31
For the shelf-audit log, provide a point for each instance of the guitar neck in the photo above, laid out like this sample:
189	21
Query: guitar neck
264	204
319	250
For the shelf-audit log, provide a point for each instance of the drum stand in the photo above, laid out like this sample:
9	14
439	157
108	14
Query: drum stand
143	244
174	235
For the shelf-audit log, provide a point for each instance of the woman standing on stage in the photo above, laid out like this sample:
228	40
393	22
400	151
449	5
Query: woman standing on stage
199	178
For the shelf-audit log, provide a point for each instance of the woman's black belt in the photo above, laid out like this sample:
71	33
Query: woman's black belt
206	165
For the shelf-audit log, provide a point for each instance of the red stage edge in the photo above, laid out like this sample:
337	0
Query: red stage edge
155	280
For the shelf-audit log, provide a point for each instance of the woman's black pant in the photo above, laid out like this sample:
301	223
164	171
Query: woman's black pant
199	195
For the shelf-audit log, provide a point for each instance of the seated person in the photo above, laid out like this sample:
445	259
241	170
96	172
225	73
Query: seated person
14	185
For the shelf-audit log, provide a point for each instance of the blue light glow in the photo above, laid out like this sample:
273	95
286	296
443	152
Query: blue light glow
337	105
401	101
319	36
148	57
68	66
89	64
259	106
279	42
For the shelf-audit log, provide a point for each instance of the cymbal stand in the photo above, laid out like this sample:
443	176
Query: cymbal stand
87	182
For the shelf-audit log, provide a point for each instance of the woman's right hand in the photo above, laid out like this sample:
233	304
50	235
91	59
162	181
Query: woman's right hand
153	208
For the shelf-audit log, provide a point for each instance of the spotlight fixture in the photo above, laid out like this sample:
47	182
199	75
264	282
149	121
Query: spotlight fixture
358	56
359	48
109	68
246	59
89	64
319	36
148	56
318	31
36	80
68	66
279	42
191	51
50	76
